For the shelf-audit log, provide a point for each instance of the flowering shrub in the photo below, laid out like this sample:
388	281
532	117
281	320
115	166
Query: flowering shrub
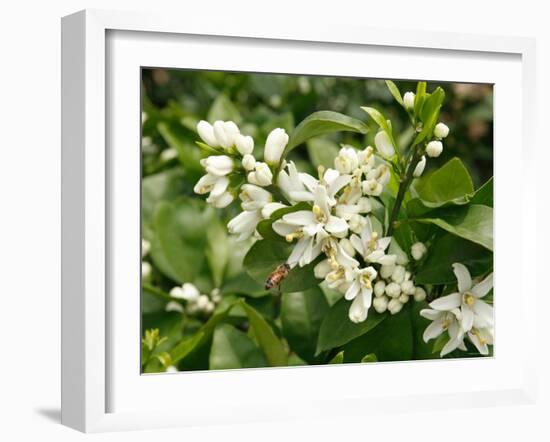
367	258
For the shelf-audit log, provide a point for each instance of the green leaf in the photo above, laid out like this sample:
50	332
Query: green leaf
472	222
338	359
244	284
337	329
162	186
265	256
392	340
371	357
484	195
232	348
450	182
178	245
428	111
223	109
176	136
301	317
421	349
265	228
394	91
322	152
444	252
323	122
217	250
272	347
381	121
440	342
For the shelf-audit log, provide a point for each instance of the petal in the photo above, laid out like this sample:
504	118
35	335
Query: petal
357	243
482	348
310	182
338	183
484	287
432	315
366	293
299	218
300	195
383	243
433	330
358	312
352	291
282	228
448	302
463	277
297	251
484	310
336	225
450	346
467	318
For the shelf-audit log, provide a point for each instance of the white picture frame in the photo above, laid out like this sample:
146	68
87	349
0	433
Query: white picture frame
91	323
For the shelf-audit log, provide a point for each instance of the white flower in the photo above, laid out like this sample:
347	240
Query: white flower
387	270
371	247
248	162
146	270
360	291
171	369
217	186
408	100
444	321
380	304
269	208
244	144
441	130
206	132
418	250
168	154
366	158
217	165
322	269
221	201
261	176
225	133
383	144
379	288
419	294
434	148
357	223
380	174
244	224
468	299
372	187
480	337
393	290
395	306
187	292
275	146
254	197
347	160
292	184
398	274
419	169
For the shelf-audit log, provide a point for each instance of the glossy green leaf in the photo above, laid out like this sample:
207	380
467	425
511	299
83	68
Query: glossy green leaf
272	347
472	222
444	252
381	121
371	357
484	195
162	186
338	358
232	348
337	329
265	256
301	317
217	250
394	90
223	109
265	229
177	137
322	152
323	122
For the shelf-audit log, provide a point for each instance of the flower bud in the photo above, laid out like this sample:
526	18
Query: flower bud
407	287
225	133
379	288
218	165
248	162
206	132
398	274
372	187
357	223
244	144
380	304
261	176
393	290
364	205
394	306
408	100
386	271
419	294
346	161
219	202
418	250
383	144
322	269
441	130
146	270
347	247
403	299
419	169
275	146
434	148
145	247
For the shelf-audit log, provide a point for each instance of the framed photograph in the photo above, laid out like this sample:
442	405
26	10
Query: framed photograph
262	224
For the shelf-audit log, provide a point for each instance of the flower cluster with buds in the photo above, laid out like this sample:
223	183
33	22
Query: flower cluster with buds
196	303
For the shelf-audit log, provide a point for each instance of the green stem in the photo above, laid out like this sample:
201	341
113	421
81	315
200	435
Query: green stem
403	186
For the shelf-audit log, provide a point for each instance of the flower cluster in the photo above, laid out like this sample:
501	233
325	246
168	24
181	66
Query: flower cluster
196	304
462	314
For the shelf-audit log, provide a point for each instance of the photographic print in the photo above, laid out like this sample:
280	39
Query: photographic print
294	220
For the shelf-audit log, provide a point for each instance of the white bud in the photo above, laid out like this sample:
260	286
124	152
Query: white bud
262	175
145	247
218	165
398	274
347	246
216	295
393	290
383	144
202	302
244	144
187	291
322	269
275	146
171	369
146	270
372	187
225	133
394	306
441	130
249	162
206	132
173	306
408	100
357	223
434	148
419	294
403	298
379	288
419	169
219	202
386	271
380	304
407	287
364	205
418	250
168	154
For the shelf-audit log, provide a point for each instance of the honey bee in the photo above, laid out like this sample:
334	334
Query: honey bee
277	276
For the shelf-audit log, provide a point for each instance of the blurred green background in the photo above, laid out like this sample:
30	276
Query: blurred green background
188	241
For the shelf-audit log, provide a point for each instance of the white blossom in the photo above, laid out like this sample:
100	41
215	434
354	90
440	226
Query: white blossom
444	321
441	130
206	132
225	133
419	169
394	306
347	160
408	100
244	224
383	144
275	146
434	148
248	162
261	176
244	144
380	304
418	250
217	165
146	270
187	291
371	247
292	184
360	291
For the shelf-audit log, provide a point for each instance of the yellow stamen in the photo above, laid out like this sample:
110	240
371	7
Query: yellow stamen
468	299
